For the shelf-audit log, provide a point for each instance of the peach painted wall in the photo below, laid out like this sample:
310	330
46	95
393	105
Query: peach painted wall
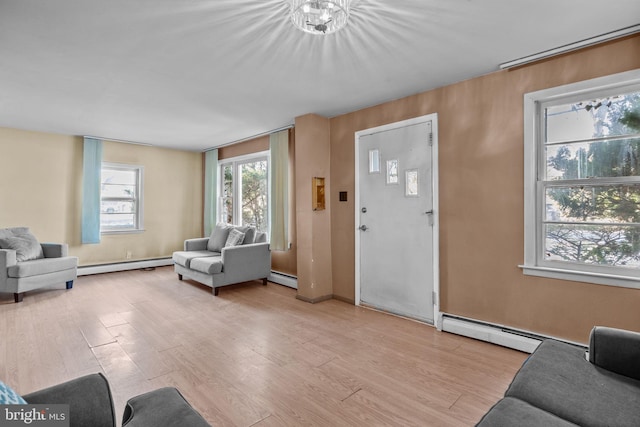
481	199
313	227
255	145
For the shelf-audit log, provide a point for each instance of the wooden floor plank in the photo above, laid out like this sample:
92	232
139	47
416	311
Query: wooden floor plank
252	356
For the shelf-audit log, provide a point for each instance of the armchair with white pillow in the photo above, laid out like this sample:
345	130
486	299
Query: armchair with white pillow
26	264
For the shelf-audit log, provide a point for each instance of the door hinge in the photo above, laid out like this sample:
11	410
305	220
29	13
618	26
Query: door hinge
430	139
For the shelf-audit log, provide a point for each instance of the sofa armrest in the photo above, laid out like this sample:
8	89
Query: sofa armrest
7	259
251	260
162	407
55	250
199	244
615	350
89	399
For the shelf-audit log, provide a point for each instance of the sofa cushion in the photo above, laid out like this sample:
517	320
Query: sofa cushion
235	238
260	237
510	412
23	242
558	379
42	266
249	235
184	258
218	237
208	265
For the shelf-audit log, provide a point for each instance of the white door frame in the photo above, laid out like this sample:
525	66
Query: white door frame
433	118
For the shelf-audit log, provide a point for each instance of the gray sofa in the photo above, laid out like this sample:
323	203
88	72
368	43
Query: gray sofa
232	254
558	385
91	404
26	264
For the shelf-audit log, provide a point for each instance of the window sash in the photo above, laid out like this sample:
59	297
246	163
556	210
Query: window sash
536	184
135	199
235	194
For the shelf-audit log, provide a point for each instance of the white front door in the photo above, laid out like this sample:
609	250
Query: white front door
395	217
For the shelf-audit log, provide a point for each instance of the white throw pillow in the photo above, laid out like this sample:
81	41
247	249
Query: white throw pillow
25	244
235	238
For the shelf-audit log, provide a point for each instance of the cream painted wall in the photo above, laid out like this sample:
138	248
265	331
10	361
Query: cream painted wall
41	187
481	159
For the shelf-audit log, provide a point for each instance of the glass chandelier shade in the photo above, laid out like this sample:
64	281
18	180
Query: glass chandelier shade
320	17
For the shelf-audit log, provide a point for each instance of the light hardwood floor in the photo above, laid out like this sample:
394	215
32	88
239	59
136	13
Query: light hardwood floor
253	356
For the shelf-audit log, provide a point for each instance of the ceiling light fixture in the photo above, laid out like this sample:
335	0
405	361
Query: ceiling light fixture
320	17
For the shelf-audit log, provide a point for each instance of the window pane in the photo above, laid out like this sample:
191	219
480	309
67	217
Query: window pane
617	245
117	206
118	183
374	161
118	190
117	220
120	196
593	118
119	176
593	159
226	214
254	194
226	201
392	171
605	204
227	180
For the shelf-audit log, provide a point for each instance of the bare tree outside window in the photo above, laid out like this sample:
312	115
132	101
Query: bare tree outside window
254	194
244	193
592	182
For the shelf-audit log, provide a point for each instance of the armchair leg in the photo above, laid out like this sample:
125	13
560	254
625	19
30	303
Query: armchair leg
264	281
18	296
215	291
179	276
70	284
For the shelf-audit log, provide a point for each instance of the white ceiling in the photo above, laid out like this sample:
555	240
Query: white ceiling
194	74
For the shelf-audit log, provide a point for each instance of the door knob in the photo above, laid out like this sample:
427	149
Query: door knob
363	228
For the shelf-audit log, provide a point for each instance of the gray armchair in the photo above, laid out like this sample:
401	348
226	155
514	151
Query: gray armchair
91	404
26	264
89	399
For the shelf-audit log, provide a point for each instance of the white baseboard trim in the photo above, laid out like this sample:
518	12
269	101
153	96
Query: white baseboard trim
495	334
123	266
275	277
283	279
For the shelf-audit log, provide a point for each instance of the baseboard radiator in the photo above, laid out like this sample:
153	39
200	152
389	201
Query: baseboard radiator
123	266
495	334
283	279
275	277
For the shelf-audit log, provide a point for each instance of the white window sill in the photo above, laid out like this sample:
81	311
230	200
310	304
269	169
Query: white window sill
131	231
582	276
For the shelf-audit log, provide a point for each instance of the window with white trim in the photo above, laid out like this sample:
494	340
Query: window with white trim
120	198
582	181
244	196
